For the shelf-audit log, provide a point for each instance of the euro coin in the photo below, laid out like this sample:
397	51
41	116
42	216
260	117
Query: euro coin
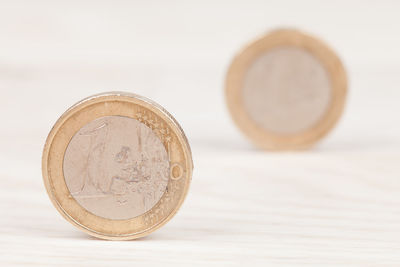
117	166
286	90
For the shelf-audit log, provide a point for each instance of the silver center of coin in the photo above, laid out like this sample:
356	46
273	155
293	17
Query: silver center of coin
116	167
286	90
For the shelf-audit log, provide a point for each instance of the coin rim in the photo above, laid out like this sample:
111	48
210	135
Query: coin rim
147	104
269	140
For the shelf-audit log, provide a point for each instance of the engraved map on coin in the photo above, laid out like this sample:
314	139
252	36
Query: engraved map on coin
116	167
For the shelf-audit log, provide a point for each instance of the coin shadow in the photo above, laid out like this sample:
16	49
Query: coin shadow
166	233
187	234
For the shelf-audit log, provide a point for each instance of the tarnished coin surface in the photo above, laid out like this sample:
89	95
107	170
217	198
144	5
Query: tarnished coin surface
286	90
117	165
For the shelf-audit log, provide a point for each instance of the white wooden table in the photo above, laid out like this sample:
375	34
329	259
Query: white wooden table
337	204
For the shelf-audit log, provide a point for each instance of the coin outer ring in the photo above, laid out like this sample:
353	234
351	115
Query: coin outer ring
234	81
119	104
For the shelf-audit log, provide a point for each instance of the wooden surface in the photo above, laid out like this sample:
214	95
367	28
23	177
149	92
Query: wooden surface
335	205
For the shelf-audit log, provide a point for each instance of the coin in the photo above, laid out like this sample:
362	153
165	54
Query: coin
117	166
286	90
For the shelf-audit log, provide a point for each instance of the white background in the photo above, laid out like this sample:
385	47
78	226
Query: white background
337	204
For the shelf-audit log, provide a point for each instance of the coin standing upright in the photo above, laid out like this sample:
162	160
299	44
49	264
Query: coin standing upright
117	165
286	90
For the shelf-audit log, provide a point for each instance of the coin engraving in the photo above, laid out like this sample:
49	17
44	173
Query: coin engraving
116	167
162	131
159	128
154	217
109	166
286	90
176	171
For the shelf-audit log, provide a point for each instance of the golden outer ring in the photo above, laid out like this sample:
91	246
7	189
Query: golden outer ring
240	64
122	104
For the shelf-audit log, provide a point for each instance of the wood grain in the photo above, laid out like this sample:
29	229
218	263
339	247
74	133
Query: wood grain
335	205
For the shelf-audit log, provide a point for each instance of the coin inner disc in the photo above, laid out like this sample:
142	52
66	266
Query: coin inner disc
116	167
286	90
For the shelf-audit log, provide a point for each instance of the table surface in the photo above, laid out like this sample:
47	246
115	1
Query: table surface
335	204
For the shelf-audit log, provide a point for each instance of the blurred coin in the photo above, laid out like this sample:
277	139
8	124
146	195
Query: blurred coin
117	166
286	90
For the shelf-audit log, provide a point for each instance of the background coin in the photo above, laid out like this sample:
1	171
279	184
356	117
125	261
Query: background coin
286	90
